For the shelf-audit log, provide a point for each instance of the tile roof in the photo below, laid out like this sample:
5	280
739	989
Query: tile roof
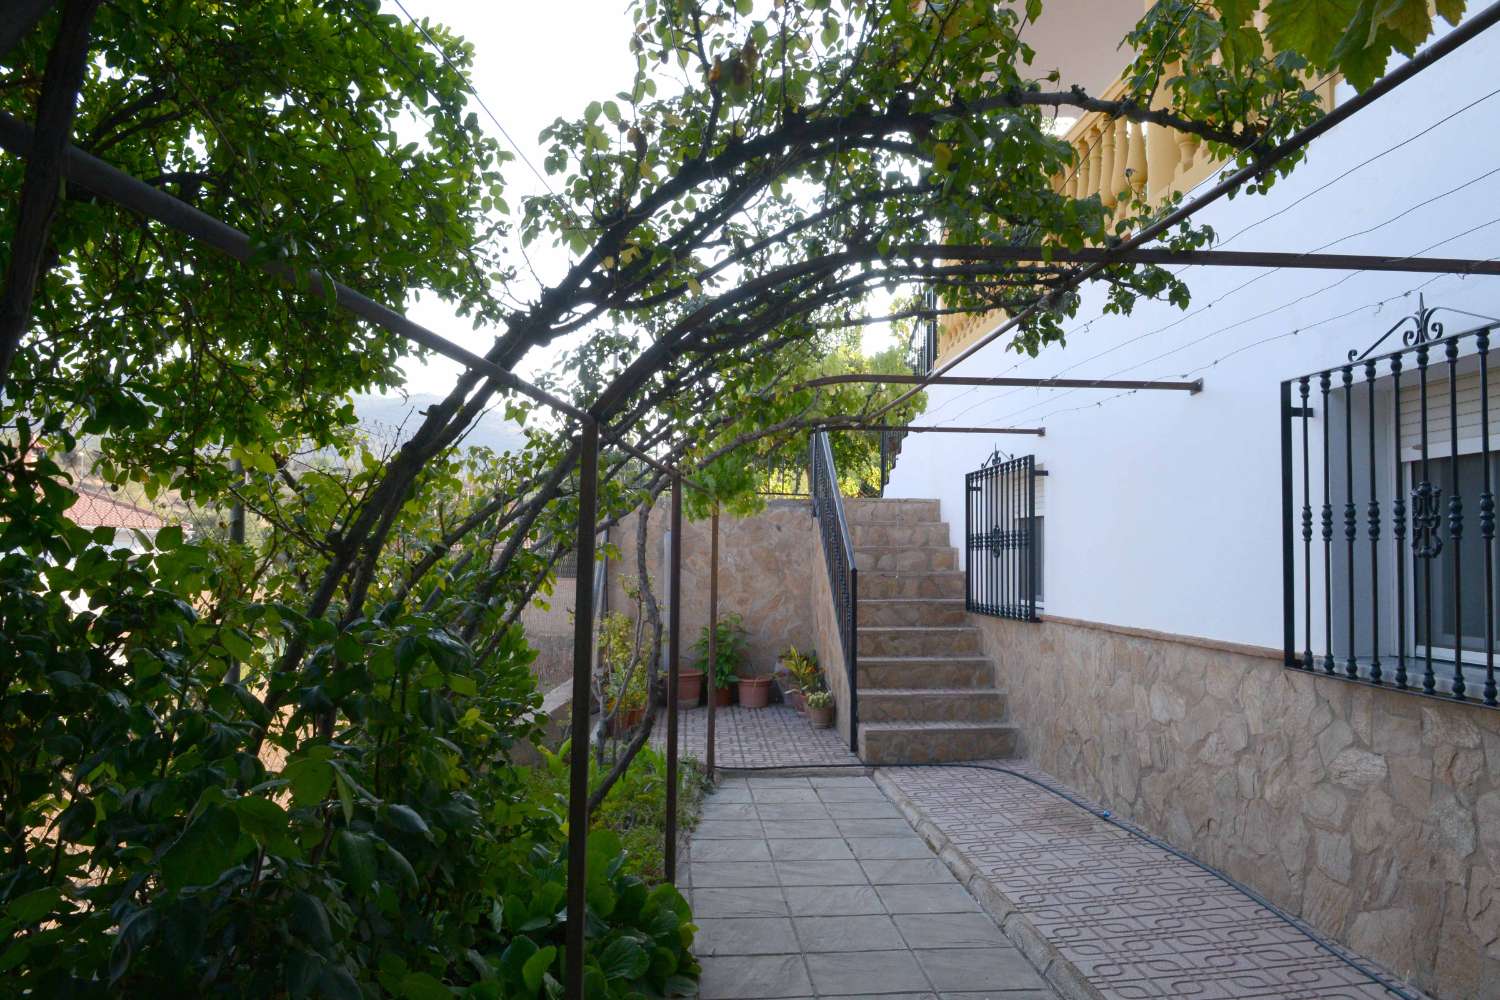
97	509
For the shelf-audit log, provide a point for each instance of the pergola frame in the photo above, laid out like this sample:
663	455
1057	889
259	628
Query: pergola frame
106	181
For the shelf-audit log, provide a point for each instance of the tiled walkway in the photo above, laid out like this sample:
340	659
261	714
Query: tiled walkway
817	887
775	736
1104	913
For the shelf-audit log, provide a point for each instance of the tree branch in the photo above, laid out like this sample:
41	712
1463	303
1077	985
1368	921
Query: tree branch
44	171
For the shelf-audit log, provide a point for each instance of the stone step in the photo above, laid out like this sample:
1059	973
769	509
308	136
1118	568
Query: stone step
931	705
912	611
909	672
903	640
891	743
902	511
882	584
905	558
876	533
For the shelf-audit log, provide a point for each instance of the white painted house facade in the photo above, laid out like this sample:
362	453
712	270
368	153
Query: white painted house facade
1173	534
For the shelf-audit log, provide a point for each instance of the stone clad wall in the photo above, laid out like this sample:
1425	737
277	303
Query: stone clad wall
830	646
548	622
765	573
1374	815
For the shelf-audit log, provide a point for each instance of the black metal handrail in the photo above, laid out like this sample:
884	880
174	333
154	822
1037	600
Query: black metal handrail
838	554
924	341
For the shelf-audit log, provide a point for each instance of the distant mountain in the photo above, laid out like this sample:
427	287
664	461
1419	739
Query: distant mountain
396	418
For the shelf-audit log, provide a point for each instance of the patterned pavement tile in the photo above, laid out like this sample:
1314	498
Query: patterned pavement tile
1132	919
774	736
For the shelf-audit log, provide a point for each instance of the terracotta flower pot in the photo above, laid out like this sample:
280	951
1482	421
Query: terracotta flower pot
722	697
689	688
796	699
821	718
755	692
626	720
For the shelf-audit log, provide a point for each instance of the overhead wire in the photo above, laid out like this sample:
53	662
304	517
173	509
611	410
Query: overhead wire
1085	327
1239	323
1363	232
1376	305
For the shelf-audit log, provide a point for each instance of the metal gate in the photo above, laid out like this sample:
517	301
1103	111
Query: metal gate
1002	568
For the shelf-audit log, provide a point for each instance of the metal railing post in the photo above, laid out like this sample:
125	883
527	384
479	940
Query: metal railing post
1288	550
583	642
674	662
853	656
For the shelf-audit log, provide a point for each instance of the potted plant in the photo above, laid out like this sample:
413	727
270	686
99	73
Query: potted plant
724	683
689	687
629	702
755	692
621	678
801	675
820	709
729	655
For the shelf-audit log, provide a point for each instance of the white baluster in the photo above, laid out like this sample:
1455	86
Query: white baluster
1136	161
1108	193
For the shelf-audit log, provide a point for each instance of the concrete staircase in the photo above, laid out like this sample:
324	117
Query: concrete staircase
926	690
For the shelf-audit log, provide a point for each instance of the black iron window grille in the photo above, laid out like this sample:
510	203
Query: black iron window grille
1388	515
925	337
1003	539
838	554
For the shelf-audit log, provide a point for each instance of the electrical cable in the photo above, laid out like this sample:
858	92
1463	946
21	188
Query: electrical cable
468	85
1378	978
1261	315
1318	190
1250	319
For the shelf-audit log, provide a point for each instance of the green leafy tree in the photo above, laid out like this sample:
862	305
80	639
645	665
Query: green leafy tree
344	818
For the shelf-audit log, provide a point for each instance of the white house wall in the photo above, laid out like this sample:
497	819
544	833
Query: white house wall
1164	508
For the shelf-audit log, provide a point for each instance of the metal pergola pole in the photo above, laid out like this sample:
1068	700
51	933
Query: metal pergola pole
1191	387
918	429
578	757
713	639
674	663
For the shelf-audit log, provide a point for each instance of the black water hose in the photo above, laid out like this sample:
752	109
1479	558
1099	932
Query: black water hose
1379	979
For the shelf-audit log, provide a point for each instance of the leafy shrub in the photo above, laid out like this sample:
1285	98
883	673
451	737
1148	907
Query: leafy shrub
622	685
350	828
729	649
635	809
803	670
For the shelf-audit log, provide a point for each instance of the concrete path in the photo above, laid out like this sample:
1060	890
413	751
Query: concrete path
817	887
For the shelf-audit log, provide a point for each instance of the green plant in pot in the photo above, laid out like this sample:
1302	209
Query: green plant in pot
801	676
820	709
622	679
729	654
629	701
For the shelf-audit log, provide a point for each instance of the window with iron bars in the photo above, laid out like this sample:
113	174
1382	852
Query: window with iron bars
1388	533
1004	531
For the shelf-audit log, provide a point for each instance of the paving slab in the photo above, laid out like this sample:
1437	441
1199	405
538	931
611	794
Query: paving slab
1105	913
774	736
786	909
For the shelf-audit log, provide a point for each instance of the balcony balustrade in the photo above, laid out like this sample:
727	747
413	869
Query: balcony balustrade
1119	162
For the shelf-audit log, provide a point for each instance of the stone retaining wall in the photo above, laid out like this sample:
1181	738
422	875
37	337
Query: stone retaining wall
830	646
1374	815
766	563
548	622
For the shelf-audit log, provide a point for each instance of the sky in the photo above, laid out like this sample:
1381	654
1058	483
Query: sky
533	62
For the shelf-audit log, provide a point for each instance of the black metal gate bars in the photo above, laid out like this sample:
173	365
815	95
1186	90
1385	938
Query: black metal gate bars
1001	568
1388	516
